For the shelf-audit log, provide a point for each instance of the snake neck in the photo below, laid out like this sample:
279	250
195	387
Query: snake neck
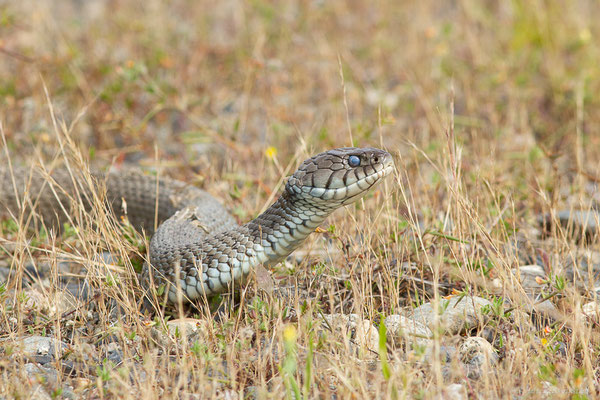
283	227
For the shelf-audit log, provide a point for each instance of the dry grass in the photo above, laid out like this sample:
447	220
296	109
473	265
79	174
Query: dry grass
491	110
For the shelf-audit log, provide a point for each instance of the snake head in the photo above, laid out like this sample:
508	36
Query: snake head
340	176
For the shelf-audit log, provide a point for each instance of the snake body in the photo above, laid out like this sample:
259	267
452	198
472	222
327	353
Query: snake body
198	249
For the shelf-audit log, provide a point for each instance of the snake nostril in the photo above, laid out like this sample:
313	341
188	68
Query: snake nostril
376	160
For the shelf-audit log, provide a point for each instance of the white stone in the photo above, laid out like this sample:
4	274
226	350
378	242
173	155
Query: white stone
454	315
359	334
404	330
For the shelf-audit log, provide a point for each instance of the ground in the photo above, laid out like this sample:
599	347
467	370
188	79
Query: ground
489	108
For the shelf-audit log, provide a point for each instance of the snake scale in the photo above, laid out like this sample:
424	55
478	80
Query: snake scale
199	249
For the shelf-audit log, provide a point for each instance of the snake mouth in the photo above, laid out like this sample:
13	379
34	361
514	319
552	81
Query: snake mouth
388	168
366	184
340	176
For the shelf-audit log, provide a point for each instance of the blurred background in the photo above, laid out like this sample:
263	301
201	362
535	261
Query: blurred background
507	89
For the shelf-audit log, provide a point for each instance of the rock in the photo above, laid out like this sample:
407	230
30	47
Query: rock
79	291
454	391
586	221
455	315
591	311
227	395
190	328
473	347
80	384
32	273
358	334
51	302
529	276
113	352
478	355
252	392
546	309
522	252
48	375
521	321
4	274
37	272
41	349
582	224
582	267
404	330
106	258
39	393
40	373
447	353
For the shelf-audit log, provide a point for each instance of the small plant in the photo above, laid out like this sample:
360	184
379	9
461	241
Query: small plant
443	305
547	372
290	362
69	231
9	226
308	372
496	308
383	359
103	371
559	283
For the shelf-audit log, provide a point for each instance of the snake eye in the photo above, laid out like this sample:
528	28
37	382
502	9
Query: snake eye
353	161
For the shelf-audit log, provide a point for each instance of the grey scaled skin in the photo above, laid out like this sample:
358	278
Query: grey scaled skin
198	264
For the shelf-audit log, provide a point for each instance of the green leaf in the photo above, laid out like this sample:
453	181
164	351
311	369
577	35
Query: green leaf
385	365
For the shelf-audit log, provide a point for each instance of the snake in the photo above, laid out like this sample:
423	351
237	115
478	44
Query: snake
198	248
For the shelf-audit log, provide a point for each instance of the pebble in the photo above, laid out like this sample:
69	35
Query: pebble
455	391
404	330
106	258
41	349
582	224
39	393
31	275
39	271
447	352
79	290
81	384
359	334
476	349
41	373
523	252
52	302
546	309
252	392
582	267
4	274
586	221
591	311
529	276
456	314
478	355
113	352
190	328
